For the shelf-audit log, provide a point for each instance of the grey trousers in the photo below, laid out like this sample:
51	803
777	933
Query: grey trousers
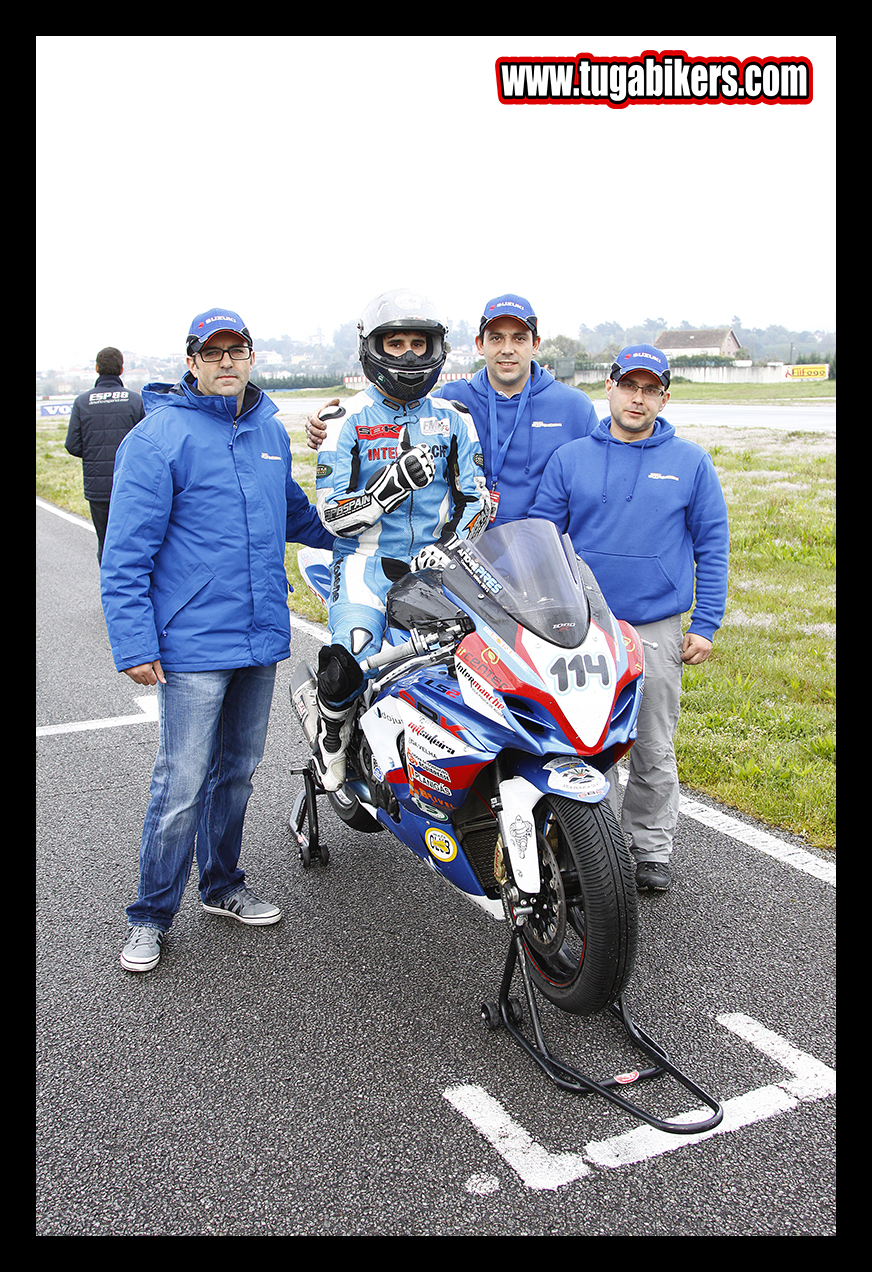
650	809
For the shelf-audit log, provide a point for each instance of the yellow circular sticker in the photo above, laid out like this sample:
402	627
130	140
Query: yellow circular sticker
440	845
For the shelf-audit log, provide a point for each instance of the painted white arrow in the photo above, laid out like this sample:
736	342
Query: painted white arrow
541	1169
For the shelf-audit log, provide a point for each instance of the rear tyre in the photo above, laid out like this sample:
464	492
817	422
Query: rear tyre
581	939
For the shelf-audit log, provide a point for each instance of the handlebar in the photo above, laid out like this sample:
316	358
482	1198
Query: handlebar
394	653
415	646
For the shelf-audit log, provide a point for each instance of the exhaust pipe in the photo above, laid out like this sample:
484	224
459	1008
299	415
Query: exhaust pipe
304	701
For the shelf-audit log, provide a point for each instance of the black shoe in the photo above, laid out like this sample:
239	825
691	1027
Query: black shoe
654	876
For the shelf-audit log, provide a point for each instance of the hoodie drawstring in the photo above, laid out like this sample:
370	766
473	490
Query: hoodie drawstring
642	449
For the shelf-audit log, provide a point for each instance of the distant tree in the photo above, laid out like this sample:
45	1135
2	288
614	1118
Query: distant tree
561	347
610	331
345	341
462	335
610	351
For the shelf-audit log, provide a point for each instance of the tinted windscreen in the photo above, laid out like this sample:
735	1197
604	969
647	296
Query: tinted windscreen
530	573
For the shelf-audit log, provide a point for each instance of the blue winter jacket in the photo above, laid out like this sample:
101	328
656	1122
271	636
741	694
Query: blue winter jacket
520	434
193	568
649	518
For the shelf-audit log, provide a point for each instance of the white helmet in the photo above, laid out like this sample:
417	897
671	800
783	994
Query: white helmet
411	375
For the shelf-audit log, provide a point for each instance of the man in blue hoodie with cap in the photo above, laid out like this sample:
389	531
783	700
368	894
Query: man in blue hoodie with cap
644	508
521	413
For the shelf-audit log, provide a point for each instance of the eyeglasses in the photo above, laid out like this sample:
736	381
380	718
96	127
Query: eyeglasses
649	391
239	353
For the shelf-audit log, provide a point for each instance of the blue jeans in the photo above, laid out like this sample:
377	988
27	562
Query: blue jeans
212	734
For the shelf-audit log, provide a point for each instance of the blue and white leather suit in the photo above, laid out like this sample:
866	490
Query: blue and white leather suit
373	548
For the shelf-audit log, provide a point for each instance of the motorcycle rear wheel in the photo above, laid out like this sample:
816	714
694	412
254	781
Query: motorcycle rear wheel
593	906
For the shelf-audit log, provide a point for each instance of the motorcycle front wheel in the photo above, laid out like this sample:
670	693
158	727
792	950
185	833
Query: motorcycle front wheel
581	939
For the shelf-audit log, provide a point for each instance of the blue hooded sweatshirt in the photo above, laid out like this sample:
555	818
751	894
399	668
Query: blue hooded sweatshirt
193	568
649	518
520	434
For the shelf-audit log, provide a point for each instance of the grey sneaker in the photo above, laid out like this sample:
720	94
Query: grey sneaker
142	951
246	907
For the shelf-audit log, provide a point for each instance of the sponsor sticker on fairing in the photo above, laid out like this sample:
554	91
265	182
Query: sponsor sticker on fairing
573	776
440	845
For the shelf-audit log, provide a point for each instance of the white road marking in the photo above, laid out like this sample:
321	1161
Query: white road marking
482	1185
756	838
537	1167
67	516
147	706
541	1169
318	630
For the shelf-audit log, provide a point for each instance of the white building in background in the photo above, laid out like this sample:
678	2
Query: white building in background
705	342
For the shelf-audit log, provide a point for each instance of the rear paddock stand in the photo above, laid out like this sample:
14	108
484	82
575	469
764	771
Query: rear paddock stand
306	810
508	1013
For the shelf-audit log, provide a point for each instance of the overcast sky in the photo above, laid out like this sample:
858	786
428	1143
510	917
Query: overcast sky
292	178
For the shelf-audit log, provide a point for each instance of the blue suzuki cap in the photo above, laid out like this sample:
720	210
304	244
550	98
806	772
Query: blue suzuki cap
509	306
204	326
642	358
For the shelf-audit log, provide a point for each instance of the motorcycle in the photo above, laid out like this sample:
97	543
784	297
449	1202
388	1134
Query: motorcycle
503	694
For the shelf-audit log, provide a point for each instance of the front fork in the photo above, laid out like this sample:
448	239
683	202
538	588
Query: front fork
516	799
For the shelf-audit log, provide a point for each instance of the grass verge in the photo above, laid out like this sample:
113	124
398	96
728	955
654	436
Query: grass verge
737	394
757	729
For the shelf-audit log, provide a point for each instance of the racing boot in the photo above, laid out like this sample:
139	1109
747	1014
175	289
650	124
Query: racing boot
331	744
339	682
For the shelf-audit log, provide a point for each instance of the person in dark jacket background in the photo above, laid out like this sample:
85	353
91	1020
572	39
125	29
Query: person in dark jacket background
99	420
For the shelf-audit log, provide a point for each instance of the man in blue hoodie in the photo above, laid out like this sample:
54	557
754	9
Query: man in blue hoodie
521	413
195	597
645	510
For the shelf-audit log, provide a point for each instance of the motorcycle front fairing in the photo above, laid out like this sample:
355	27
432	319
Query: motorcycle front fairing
428	747
548	661
548	675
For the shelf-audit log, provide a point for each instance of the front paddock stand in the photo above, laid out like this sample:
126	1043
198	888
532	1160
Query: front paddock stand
306	810
508	1014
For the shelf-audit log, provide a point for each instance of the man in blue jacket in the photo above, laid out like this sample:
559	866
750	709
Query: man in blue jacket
645	510
196	601
521	413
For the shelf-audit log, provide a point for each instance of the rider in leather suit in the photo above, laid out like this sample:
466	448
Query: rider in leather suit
399	473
